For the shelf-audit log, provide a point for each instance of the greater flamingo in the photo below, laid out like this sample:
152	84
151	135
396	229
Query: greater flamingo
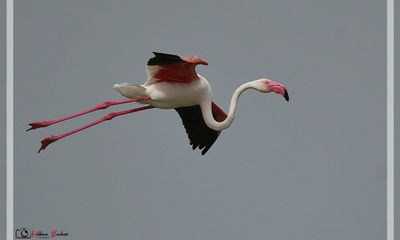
173	83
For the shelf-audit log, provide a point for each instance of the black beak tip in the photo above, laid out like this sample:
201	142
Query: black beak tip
286	95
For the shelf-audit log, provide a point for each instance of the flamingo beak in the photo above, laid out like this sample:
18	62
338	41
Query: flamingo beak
286	96
279	89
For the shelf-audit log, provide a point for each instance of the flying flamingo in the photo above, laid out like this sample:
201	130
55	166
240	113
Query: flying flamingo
173	83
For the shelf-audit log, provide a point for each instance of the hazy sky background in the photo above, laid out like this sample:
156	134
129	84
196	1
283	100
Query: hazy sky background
313	168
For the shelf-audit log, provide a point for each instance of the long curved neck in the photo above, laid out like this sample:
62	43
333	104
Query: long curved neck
206	109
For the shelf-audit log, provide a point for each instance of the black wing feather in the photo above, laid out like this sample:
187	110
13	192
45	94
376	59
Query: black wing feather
200	135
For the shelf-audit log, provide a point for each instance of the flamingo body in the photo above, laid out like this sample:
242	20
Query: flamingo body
172	83
168	95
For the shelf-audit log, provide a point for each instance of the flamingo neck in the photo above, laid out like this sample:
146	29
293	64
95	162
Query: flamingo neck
206	109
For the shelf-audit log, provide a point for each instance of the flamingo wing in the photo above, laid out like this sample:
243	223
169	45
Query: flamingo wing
200	135
165	67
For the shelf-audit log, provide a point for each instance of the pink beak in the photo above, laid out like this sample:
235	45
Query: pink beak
279	88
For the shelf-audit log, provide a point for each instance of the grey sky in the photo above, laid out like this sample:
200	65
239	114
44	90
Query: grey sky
313	168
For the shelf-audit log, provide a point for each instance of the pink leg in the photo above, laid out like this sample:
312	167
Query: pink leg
48	140
103	105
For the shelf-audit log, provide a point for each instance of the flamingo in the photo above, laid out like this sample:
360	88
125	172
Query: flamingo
173	83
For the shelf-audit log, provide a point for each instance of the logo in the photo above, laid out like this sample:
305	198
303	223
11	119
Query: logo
25	233
22	233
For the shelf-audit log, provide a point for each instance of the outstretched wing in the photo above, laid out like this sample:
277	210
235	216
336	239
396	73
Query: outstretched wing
200	135
172	68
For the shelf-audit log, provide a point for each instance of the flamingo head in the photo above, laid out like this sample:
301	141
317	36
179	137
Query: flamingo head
266	86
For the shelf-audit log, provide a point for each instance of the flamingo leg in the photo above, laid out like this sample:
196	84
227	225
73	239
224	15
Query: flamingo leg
101	106
48	140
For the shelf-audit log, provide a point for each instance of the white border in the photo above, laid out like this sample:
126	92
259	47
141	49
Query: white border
390	119
10	120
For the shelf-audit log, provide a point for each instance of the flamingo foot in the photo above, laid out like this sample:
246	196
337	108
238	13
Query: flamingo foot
47	141
36	125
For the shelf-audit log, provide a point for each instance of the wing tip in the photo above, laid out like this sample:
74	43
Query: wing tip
200	136
163	59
